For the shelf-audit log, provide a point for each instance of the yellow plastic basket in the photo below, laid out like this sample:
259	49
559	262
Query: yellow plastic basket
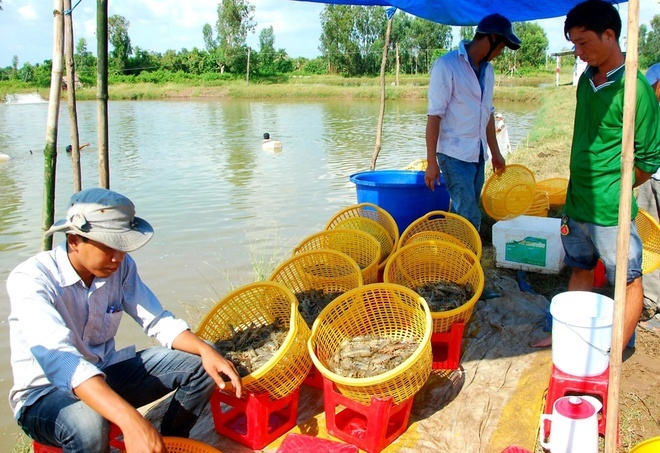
509	194
417	165
259	304
359	245
373	228
372	212
651	445
421	263
556	188
649	232
385	310
540	205
183	445
326	270
448	223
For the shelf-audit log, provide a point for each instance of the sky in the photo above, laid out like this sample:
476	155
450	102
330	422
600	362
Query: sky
26	26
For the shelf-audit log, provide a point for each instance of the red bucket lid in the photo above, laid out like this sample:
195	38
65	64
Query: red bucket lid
574	407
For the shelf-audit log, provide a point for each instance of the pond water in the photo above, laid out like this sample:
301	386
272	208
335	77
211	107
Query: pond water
224	210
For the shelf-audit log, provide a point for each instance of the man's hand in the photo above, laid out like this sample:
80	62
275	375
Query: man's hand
498	163
432	174
212	361
214	364
139	434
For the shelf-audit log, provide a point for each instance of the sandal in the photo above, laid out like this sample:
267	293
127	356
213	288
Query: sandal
652	325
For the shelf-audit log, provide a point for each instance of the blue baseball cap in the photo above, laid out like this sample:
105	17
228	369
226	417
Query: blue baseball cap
496	24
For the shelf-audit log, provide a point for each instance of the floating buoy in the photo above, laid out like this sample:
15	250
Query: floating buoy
4	157
272	145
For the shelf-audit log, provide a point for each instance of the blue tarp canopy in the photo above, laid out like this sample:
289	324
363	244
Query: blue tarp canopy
470	12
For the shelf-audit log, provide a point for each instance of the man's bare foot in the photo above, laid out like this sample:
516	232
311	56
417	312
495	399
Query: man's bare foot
541	342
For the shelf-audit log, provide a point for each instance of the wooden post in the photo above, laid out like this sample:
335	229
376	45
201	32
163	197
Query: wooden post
398	63
623	239
71	96
102	91
381	114
248	67
50	151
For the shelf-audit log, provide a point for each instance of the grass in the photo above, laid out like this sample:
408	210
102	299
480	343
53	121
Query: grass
518	89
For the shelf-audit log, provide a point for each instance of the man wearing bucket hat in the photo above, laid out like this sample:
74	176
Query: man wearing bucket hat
460	126
66	304
589	226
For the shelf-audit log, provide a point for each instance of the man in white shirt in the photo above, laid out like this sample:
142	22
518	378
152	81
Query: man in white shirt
66	304
460	126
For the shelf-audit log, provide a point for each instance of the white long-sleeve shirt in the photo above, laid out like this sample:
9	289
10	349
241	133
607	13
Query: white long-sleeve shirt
62	332
455	96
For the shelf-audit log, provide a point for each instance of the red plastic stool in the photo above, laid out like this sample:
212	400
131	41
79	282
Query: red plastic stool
372	427
562	384
115	434
254	421
599	275
446	347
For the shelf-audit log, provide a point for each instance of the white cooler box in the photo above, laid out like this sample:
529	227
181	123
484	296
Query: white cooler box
529	243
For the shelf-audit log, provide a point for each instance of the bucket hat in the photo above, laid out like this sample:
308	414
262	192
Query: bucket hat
106	217
496	24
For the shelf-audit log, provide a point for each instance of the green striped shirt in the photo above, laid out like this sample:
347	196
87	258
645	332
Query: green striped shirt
595	166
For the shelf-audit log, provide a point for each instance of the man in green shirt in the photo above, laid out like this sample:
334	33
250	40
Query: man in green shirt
589	225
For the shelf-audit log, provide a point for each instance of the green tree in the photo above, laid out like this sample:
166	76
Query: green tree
14	67
352	38
267	51
466	33
120	41
432	39
209	43
85	61
649	47
534	44
235	21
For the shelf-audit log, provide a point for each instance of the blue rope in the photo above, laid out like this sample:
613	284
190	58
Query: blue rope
69	11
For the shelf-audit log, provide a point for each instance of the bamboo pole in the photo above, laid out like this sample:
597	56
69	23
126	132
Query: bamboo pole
381	113
71	95
623	239
102	91
247	76
50	150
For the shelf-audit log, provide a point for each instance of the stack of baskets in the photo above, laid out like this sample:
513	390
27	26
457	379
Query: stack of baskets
443	226
325	270
371	219
515	192
555	188
361	246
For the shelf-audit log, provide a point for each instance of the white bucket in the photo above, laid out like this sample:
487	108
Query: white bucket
581	332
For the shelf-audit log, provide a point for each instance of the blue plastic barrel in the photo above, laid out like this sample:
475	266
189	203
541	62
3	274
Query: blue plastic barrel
402	193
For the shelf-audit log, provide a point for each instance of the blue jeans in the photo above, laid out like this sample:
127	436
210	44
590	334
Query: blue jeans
464	183
60	419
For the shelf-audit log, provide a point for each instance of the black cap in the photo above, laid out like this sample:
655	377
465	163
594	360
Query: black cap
69	148
496	24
